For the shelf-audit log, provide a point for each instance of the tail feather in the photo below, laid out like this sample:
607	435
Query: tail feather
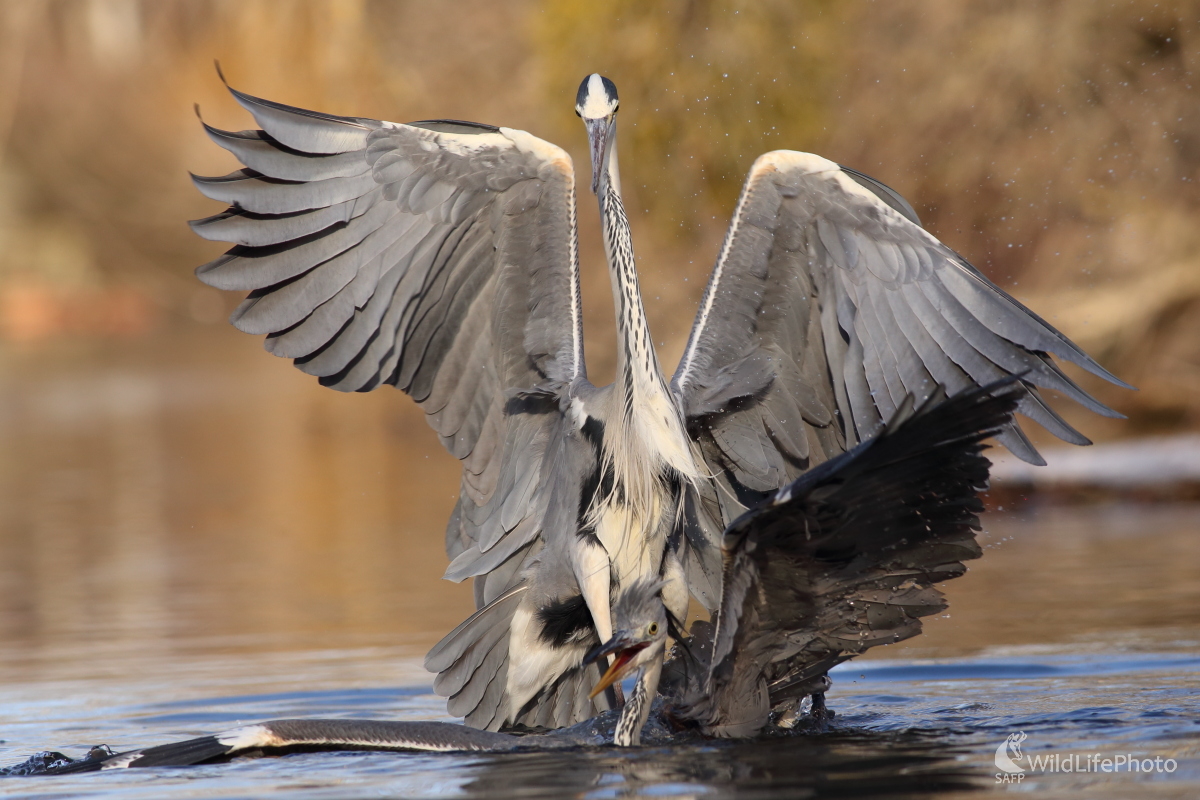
471	662
452	679
453	645
470	693
492	709
566	701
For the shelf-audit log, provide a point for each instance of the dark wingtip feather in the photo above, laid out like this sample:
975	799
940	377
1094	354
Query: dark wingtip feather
180	754
247	100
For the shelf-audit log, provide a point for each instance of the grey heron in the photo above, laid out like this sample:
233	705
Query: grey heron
842	559
441	257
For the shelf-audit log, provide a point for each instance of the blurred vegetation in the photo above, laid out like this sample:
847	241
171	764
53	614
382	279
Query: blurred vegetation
705	88
1056	145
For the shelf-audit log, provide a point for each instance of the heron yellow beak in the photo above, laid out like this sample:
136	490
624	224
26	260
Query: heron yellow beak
621	665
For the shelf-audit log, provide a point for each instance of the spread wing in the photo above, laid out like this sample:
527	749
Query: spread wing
846	557
828	306
438	257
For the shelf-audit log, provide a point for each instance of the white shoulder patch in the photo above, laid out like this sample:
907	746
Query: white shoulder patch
793	160
468	145
577	413
539	148
810	164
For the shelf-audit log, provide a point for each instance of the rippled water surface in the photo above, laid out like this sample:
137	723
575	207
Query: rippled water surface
193	537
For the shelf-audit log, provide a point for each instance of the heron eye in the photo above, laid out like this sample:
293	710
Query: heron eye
653	629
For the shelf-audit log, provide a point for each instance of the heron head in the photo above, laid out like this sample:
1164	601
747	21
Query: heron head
640	635
596	104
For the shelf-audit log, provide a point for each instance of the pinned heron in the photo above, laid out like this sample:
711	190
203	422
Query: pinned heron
441	257
842	559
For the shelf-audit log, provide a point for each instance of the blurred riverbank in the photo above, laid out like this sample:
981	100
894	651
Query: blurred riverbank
1056	146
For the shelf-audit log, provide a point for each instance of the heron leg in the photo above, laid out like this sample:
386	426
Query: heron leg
594	574
819	711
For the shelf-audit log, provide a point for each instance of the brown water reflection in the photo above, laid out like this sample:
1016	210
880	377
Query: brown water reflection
1100	577
194	492
179	489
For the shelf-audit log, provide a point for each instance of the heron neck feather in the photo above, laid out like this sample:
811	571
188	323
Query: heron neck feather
649	433
637	709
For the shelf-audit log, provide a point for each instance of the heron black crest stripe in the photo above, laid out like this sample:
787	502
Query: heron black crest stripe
610	89
588	85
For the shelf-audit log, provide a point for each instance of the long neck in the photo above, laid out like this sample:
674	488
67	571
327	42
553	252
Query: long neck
636	710
650	432
637	363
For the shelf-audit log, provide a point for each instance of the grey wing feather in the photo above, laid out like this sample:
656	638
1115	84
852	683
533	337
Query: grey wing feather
471	657
828	280
846	557
566	701
438	257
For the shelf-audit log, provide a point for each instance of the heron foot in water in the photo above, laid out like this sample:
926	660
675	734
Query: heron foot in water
808	713
819	712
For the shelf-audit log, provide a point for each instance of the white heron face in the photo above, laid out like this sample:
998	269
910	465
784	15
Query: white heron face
596	104
597	98
641	636
631	650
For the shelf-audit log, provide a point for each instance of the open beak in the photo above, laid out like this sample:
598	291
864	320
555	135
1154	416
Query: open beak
597	131
626	649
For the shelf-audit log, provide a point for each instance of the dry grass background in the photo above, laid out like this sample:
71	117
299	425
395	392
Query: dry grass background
1055	144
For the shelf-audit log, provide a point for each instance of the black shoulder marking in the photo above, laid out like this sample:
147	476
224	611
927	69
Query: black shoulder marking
564	621
593	431
454	126
597	487
588	534
532	401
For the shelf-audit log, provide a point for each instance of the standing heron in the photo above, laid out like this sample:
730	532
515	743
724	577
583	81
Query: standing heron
842	559
441	257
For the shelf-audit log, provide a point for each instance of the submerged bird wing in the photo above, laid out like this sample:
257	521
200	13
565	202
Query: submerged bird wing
829	304
282	736
438	257
846	557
